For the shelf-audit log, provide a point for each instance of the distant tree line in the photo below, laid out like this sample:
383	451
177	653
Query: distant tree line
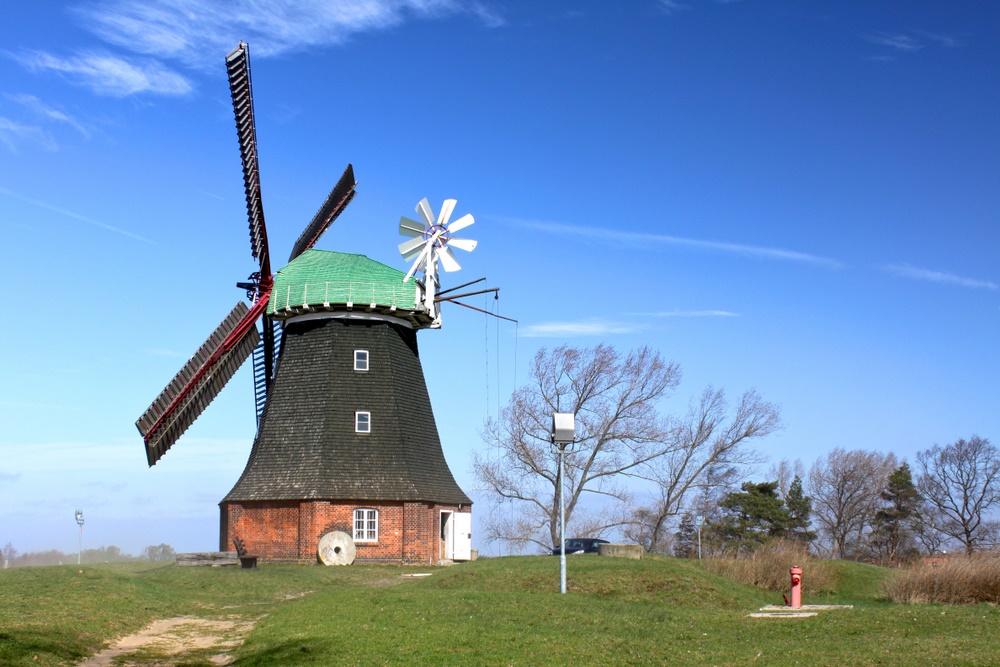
693	472
860	505
11	557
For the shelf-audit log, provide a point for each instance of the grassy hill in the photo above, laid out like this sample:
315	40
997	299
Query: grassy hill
503	611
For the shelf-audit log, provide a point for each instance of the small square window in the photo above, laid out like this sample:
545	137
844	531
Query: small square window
362	422
360	360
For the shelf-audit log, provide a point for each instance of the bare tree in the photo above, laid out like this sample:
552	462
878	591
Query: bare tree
961	482
621	438
784	471
708	449
7	554
845	489
618	429
927	529
162	553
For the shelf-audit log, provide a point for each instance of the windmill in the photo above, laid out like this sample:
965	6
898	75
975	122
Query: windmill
346	439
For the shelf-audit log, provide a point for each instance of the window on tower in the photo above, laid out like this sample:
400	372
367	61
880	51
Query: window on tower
360	360
365	525
362	422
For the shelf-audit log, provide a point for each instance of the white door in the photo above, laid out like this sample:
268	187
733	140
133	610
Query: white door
461	535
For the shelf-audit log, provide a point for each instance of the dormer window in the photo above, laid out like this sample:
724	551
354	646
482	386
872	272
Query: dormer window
362	422
361	360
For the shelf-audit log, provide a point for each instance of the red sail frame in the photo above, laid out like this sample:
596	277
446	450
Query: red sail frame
157	424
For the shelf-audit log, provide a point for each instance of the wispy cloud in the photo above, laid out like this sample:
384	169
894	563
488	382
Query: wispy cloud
147	34
909	41
947	41
688	313
898	41
195	33
46	112
941	277
12	134
71	214
671	6
186	30
590	327
108	74
646	240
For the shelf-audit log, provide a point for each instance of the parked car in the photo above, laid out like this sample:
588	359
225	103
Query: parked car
580	545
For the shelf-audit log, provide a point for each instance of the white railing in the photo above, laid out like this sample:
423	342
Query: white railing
325	293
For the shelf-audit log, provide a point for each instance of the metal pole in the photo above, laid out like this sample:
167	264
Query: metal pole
562	524
79	521
699	521
563	433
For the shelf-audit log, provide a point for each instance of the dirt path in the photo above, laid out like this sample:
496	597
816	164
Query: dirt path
167	641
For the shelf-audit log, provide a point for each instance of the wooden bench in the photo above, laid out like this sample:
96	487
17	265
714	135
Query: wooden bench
247	561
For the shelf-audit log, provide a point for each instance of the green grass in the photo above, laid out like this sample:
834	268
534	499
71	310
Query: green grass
59	615
857	582
503	611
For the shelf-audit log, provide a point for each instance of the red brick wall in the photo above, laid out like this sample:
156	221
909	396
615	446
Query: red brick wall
408	532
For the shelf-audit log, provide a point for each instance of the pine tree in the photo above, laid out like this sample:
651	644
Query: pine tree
800	510
894	523
686	537
752	516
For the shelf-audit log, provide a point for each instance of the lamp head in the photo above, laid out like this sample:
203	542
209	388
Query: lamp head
563	428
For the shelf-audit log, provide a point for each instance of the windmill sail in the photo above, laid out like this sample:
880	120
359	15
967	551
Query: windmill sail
241	88
208	371
238	66
199	381
341	195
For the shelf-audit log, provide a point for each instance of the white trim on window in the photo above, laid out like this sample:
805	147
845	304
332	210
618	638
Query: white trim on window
365	525
361	360
362	421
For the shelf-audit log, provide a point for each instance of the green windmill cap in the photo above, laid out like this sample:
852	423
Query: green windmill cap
325	280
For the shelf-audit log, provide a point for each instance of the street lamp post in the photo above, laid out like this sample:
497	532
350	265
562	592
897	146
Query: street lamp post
79	520
699	520
563	436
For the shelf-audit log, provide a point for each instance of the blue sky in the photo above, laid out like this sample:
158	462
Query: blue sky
795	197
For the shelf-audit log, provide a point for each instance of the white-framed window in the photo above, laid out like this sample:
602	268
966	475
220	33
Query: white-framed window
360	360
365	525
362	422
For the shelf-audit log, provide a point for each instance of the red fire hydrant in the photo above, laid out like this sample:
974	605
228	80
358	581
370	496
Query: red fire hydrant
796	587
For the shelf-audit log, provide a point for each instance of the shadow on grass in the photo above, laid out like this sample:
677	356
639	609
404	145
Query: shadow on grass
26	646
287	653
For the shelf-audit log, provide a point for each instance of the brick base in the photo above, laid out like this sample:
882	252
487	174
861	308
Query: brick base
290	530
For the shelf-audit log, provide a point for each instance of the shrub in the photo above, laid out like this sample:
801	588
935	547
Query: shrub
955	580
768	568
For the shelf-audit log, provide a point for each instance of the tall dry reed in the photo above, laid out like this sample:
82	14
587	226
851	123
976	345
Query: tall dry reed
956	580
768	568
